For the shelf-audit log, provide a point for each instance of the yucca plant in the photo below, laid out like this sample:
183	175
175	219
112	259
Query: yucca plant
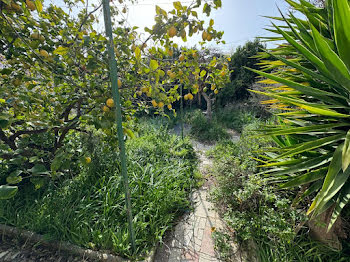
310	77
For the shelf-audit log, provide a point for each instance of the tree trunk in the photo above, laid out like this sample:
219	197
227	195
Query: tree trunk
209	105
318	230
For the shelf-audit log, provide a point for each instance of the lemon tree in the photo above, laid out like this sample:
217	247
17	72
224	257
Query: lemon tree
54	75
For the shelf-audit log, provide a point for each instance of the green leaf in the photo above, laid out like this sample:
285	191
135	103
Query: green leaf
207	9
203	72
177	5
342	200
129	132
7	192
313	188
337	185
304	89
333	170
341	19
38	5
217	3
305	52
307	146
158	12
305	129
305	70
312	108
331	60
61	50
211	23
153	65
138	53
346	152
307	164
13	179
306	178
39	169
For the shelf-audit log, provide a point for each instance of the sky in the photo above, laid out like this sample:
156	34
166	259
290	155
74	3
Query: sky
241	20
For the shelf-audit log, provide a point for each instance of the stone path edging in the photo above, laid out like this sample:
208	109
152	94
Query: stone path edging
191	240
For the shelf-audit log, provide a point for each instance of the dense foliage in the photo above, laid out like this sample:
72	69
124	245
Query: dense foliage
241	79
260	222
54	78
88	209
312	73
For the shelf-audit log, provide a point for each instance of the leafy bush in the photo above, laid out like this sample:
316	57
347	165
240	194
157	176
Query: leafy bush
235	116
205	130
259	215
249	205
89	208
241	78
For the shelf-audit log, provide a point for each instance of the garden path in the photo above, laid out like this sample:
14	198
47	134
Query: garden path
191	240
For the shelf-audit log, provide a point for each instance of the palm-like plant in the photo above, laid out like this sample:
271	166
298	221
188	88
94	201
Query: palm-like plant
312	70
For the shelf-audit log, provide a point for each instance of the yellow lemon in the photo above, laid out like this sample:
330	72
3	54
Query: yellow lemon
204	35
181	58
170	107
154	103
110	102
172	31
119	83
44	53
35	36
87	160
16	7
30	5
105	109
190	96
216	91
160	104
209	37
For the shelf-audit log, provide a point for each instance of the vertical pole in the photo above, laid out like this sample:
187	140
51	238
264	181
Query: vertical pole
116	98
182	112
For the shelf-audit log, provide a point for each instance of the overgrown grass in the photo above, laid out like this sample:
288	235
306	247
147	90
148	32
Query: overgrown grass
89	209
232	117
258	212
206	131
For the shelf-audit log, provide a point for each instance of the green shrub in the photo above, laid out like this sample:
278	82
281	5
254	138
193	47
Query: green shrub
89	208
257	211
249	205
205	130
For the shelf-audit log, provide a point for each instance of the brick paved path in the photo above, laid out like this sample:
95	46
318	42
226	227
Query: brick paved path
191	240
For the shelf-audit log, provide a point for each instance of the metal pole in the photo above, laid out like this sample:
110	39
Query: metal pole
116	98
182	113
